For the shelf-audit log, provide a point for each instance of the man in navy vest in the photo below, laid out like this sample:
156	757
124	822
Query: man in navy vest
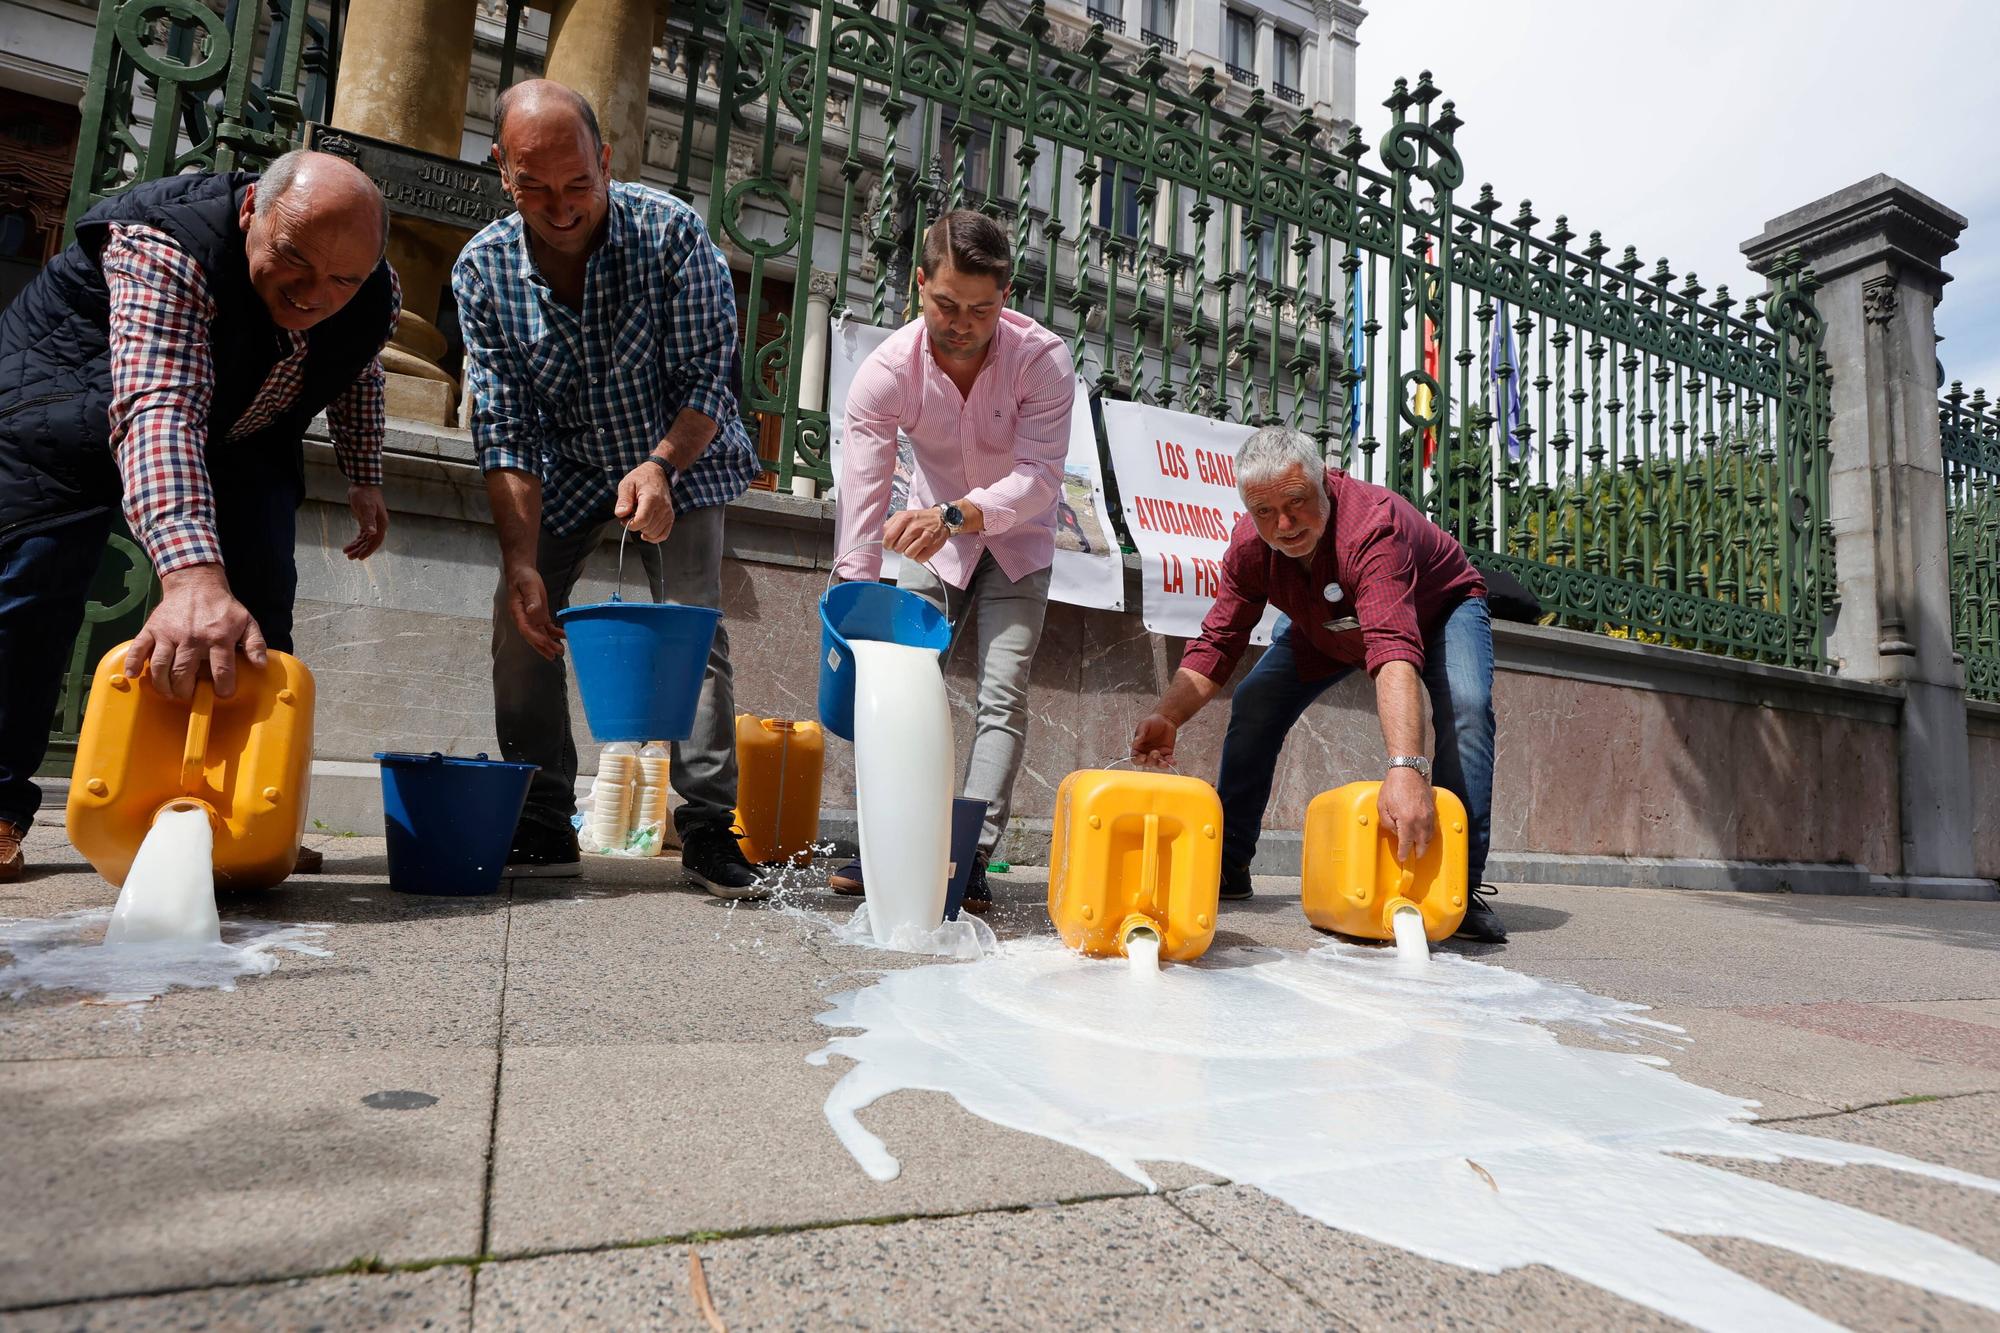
171	358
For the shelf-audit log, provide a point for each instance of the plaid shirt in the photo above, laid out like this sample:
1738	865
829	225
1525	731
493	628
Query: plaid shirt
162	381
581	400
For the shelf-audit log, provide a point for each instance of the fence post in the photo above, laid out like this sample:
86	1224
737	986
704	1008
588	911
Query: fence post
1875	248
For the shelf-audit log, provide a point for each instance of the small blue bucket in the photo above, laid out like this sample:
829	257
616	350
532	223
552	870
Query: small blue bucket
450	820
877	611
640	666
967	818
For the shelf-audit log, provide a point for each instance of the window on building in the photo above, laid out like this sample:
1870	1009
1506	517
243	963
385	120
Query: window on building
1287	74
1118	197
1156	25
793	26
1106	12
1260	252
1240	42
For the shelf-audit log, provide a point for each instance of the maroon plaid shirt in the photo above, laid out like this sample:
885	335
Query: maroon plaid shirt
161	384
1381	579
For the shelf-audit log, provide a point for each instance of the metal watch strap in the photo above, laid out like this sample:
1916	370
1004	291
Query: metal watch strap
945	511
1415	761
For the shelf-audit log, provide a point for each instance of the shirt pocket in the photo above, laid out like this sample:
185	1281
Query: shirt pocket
633	354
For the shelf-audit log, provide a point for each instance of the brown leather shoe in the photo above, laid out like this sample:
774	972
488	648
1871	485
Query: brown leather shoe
11	860
311	861
846	881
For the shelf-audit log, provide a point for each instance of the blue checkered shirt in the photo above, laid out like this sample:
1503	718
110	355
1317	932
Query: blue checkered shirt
581	400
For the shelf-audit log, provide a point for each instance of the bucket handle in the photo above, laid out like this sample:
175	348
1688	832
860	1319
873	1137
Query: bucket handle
877	541
194	752
1136	767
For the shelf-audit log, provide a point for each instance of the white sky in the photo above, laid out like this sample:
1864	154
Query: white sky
1681	128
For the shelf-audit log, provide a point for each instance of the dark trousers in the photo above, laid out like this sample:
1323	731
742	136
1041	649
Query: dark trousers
45	579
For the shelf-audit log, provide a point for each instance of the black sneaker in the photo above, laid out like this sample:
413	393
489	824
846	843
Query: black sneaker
1482	923
1235	883
712	857
978	898
543	851
847	880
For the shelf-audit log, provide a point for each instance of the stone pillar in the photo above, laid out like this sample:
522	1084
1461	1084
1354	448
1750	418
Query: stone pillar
1266	63
822	291
1876	248
403	77
1341	22
604	50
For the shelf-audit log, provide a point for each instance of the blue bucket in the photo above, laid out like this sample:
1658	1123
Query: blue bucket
878	611
967	818
450	820
640	666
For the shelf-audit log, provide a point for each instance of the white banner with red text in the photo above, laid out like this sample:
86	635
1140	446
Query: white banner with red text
1177	485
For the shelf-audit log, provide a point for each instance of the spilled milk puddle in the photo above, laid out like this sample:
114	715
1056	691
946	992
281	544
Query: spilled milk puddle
1432	1108
67	953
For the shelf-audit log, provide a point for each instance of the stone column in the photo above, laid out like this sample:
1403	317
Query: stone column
404	72
1266	63
1876	247
822	291
604	50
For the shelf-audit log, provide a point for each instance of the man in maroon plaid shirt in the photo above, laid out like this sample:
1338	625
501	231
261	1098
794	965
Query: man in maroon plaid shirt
172	358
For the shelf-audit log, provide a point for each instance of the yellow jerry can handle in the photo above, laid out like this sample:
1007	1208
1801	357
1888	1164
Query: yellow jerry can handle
1149	862
194	755
1401	898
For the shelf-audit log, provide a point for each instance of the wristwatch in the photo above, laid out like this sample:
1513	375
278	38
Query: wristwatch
954	518
1416	761
664	465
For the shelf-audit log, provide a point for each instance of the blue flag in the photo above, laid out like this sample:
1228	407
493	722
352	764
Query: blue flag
1355	360
1506	370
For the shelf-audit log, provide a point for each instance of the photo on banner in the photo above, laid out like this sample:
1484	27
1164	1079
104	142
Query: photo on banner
1089	570
1177	484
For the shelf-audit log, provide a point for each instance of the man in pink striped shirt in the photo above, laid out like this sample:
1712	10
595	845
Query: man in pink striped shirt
983	393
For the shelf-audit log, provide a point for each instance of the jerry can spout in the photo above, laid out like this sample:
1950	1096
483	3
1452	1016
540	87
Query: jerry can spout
1139	937
1406	924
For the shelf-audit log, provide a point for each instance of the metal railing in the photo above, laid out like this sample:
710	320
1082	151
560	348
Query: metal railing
1168	46
1287	93
1969	425
1647	458
216	100
1111	22
1242	75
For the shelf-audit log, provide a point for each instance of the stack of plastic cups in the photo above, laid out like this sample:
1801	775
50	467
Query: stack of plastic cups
650	805
611	796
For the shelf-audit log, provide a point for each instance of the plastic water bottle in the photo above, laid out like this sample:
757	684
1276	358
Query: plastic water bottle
612	796
649	819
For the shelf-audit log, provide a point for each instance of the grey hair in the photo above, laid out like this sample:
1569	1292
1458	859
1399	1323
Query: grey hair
1272	452
284	171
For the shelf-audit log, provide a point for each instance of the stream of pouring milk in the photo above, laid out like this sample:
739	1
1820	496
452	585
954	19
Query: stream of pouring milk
1426	1107
163	934
902	787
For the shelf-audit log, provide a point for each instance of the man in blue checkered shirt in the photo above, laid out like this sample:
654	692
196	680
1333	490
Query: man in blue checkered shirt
600	347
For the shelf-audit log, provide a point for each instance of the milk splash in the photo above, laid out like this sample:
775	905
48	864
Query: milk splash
163	934
1426	1108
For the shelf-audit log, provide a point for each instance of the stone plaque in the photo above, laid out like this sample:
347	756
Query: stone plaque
418	184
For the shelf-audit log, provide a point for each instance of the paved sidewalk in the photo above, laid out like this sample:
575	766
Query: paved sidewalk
619	1074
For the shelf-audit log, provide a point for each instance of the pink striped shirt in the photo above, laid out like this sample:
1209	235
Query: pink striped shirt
1001	448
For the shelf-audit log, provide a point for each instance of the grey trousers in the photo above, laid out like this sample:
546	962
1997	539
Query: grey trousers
531	695
1009	629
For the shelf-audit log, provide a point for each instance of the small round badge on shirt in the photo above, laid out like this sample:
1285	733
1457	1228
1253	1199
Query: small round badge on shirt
1333	592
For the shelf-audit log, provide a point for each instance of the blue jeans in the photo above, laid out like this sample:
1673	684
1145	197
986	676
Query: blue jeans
1458	673
45	579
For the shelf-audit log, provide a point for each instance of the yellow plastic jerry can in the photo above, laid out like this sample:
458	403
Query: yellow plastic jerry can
1351	880
1135	851
247	759
778	769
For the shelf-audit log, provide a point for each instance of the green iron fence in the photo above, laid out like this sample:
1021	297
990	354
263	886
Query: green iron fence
177	85
1647	457
1970	426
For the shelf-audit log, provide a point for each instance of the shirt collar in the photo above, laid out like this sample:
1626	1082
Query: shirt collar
618	229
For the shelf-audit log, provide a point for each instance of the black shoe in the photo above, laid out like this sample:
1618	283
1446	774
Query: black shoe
1482	923
978	898
712	856
543	851
1235	883
847	880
